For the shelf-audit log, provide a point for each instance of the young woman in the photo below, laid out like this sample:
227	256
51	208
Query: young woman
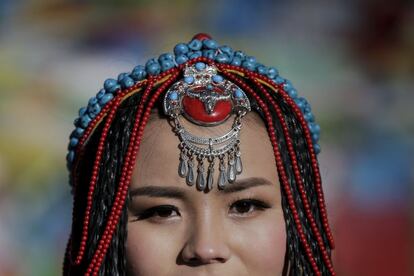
201	162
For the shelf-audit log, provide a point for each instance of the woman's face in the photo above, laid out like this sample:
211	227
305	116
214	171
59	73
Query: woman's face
174	229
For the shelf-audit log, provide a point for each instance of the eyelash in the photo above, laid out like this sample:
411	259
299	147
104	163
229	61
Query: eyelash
154	212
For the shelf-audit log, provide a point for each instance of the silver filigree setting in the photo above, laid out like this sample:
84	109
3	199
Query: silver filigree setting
198	155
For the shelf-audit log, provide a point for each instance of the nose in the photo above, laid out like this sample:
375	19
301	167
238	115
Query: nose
206	243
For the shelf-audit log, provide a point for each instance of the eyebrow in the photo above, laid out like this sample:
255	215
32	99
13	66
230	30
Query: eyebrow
180	193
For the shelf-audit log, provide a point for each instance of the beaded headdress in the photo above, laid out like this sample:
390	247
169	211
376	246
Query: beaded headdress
207	84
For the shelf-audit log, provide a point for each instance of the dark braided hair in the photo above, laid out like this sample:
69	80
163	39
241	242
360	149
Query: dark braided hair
308	246
117	143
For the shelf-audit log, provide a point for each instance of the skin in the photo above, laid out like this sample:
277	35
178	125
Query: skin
205	233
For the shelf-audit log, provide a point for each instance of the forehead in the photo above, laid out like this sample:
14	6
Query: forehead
158	157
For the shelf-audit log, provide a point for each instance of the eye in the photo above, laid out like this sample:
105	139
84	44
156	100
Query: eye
160	212
247	206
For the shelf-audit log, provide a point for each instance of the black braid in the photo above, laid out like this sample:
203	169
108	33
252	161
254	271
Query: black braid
112	161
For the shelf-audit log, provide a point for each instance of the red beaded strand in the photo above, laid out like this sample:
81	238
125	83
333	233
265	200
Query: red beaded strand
104	242
84	237
128	167
298	178
314	161
136	137
112	106
279	164
302	121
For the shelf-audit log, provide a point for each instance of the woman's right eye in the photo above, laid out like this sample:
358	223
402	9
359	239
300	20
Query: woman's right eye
160	212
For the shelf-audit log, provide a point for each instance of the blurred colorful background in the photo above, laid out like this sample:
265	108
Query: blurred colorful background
353	60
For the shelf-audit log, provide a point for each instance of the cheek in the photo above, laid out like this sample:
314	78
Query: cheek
143	250
264	245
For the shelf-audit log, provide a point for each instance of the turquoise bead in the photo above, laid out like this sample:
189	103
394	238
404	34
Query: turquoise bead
210	44
240	55
153	68
111	85
166	65
121	76
222	58
82	111
315	137
250	59
195	45
287	85
279	80
105	99
138	73
200	66
92	101
249	65
165	57
217	79
236	61
308	108
85	120
209	54
238	94
189	79
309	117
300	103
317	148
94	110
195	54
181	59
314	128
70	156
151	61
78	132
100	94
173	95
73	142
292	93
127	82
76	122
261	69
272	72
180	49
227	50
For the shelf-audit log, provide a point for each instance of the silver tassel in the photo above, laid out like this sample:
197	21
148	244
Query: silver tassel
182	167
239	165
210	175
201	183
190	175
222	181
231	173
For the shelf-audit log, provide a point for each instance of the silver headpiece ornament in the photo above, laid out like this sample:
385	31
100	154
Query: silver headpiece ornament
205	98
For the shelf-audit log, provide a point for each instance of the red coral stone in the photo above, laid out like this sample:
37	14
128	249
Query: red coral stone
195	110
202	36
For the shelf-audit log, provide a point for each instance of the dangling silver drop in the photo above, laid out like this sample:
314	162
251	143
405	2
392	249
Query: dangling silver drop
182	167
231	173
239	165
210	175
222	180
201	183
190	175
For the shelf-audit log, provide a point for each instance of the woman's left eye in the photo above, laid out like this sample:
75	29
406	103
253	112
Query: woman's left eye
161	212
246	206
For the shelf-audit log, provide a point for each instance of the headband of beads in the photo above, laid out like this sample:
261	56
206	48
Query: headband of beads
200	46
